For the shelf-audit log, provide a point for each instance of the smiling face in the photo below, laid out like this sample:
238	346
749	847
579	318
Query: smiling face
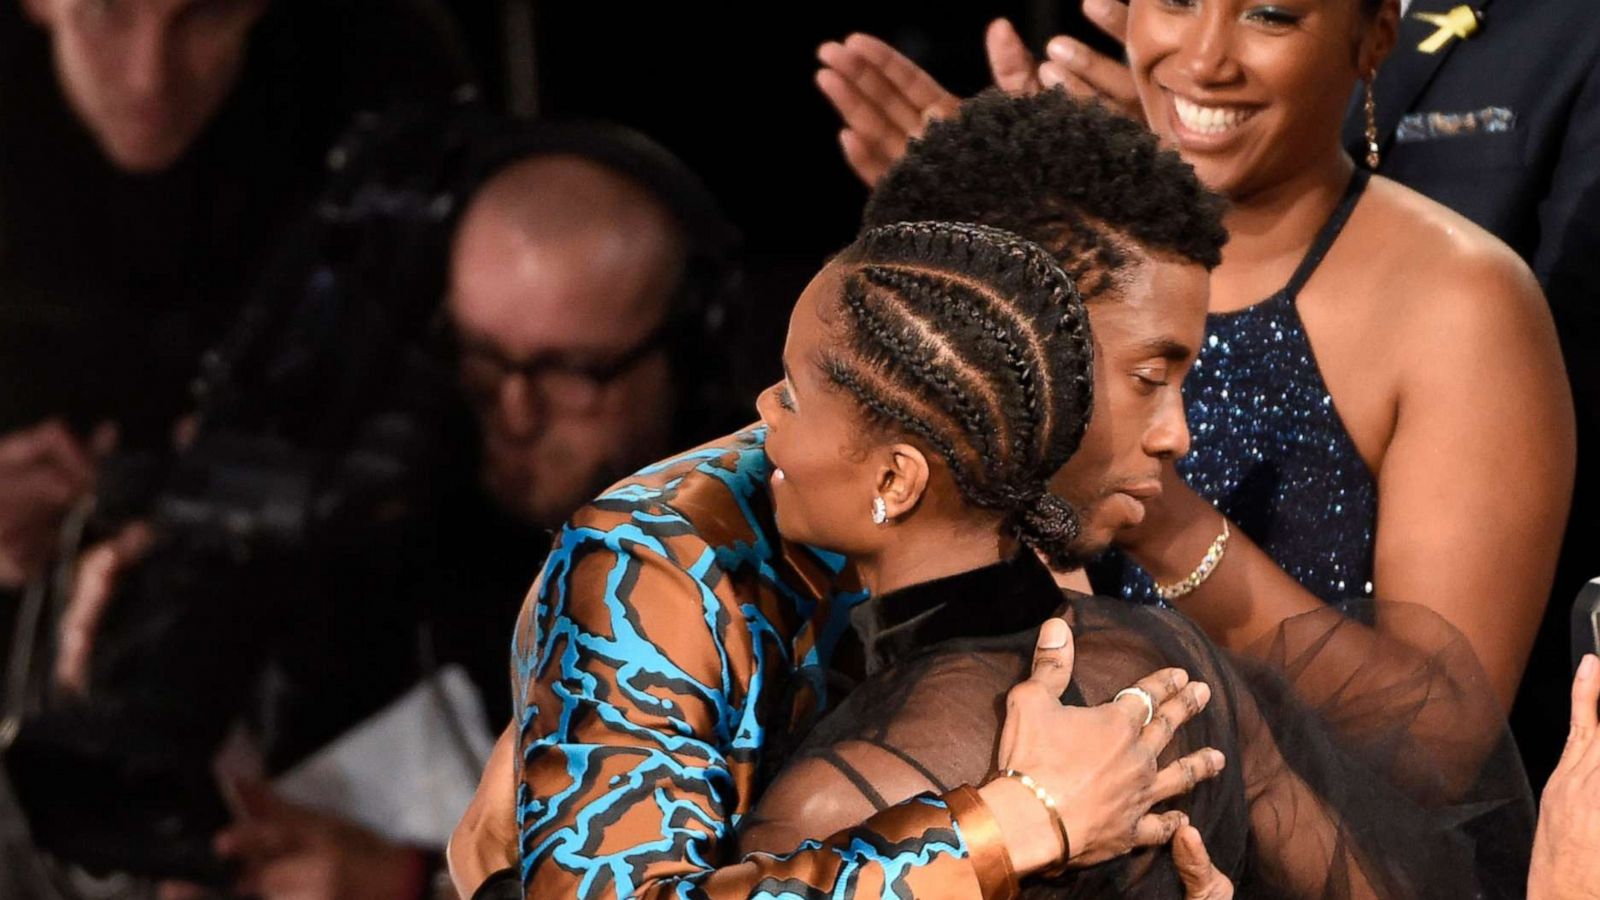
1146	339
1252	92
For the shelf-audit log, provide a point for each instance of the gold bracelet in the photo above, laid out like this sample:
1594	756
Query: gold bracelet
1208	564
1055	813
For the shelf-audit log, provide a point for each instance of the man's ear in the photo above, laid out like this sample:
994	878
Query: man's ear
903	479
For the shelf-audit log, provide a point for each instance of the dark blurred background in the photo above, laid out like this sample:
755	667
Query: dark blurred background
729	88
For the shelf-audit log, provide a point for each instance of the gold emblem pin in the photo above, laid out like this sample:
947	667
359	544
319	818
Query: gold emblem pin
1461	22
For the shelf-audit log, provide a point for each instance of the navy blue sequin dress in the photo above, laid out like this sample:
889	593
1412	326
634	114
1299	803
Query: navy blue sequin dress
1268	447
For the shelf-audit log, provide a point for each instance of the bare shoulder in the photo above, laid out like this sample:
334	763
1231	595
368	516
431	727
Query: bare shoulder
1444	264
1447	285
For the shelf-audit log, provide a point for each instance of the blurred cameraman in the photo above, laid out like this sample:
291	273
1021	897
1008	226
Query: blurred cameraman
561	296
155	150
590	275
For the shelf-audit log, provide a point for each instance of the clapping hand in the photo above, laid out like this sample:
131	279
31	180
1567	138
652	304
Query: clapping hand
292	852
886	100
1085	73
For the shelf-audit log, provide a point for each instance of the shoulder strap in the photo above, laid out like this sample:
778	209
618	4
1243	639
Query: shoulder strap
1328	234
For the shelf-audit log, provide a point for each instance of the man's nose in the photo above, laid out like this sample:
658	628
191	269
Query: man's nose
1168	435
147	70
519	411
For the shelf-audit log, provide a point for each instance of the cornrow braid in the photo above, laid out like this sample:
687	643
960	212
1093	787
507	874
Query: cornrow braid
974	341
1030	419
880	407
895	341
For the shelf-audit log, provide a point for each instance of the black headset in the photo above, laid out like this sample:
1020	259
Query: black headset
703	308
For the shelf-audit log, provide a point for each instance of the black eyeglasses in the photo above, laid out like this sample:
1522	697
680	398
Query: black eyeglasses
560	384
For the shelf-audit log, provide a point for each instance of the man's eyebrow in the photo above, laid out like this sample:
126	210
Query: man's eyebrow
1164	347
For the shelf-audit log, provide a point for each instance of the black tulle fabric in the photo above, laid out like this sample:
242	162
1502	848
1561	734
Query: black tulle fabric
1358	765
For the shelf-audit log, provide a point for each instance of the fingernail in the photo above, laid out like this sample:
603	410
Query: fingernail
1049	77
1053	634
1218	760
1587	667
1062	49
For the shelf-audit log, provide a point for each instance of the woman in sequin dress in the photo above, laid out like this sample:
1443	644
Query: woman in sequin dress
1379	408
1392	419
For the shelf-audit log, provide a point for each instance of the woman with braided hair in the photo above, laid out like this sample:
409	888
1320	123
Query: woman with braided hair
939	379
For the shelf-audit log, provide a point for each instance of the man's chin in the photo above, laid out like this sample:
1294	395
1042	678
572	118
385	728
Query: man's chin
520	496
1081	553
539	511
142	158
1095	538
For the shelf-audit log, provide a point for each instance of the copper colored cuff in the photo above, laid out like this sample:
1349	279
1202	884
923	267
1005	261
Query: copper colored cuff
987	849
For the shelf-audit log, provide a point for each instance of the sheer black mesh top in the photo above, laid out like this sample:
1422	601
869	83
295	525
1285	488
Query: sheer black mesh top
1356	768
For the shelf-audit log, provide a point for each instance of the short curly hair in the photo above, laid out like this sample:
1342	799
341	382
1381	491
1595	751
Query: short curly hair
1082	181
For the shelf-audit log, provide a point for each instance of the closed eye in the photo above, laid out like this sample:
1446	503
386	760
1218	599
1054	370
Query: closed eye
785	399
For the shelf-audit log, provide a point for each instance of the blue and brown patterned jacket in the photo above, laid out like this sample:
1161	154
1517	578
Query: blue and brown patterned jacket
671	639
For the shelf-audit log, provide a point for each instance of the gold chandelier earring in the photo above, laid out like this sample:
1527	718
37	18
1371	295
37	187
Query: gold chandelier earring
1370	105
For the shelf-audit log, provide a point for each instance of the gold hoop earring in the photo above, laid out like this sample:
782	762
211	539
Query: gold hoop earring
1370	104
